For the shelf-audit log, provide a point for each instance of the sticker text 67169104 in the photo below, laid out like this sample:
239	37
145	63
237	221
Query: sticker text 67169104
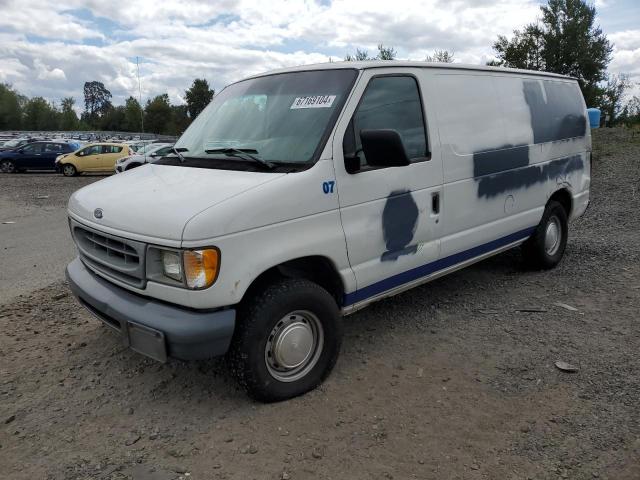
313	101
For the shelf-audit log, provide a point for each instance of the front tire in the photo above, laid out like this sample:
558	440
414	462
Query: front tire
7	166
68	170
545	248
287	340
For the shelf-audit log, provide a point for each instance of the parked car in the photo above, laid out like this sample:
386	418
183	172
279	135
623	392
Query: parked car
16	143
159	150
94	157
137	145
306	194
34	156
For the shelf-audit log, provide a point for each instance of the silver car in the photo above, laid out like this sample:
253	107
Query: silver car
145	155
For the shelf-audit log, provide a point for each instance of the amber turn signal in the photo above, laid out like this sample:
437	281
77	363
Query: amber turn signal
201	267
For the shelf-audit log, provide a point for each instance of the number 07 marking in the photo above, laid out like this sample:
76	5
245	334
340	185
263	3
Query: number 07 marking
327	187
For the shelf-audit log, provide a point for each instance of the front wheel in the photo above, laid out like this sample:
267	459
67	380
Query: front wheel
68	170
545	248
7	166
287	340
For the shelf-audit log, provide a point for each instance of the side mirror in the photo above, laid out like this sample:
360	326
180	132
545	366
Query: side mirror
21	150
383	148
153	155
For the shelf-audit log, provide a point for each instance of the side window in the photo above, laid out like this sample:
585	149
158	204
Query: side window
52	147
389	103
29	148
92	150
36	148
111	149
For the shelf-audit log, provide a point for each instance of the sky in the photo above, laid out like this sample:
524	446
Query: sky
50	48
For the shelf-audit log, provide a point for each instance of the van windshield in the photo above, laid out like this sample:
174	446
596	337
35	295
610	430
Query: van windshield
282	118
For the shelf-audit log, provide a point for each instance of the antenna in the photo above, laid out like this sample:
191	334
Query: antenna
141	110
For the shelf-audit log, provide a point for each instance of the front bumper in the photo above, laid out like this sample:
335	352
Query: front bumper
153	328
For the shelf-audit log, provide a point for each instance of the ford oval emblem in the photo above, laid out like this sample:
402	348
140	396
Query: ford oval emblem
97	213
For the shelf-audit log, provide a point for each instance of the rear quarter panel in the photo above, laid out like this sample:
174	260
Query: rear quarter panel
508	143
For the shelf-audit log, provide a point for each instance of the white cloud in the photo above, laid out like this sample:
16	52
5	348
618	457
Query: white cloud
51	49
626	57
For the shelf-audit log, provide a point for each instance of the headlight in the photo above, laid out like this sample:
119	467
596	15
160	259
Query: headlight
193	269
172	265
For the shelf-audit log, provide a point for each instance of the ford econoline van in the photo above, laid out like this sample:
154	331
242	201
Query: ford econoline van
302	195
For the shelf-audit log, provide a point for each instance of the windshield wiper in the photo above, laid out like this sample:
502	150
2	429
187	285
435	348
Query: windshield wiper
177	152
244	153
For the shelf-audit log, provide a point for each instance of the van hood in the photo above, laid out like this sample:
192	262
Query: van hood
156	201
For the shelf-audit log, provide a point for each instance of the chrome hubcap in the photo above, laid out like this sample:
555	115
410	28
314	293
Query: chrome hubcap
294	346
68	170
552	236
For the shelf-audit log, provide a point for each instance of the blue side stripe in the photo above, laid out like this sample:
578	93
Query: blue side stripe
429	268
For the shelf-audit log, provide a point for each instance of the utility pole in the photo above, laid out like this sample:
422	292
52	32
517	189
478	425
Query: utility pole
140	98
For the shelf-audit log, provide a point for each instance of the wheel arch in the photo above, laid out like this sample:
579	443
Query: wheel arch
315	268
564	198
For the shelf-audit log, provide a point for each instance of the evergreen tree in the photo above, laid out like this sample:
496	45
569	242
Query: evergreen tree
10	109
565	41
198	96
68	118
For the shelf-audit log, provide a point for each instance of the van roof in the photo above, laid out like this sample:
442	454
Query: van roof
364	65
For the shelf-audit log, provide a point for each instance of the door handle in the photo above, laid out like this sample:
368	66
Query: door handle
435	203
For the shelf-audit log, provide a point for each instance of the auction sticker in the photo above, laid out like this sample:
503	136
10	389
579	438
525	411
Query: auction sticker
313	101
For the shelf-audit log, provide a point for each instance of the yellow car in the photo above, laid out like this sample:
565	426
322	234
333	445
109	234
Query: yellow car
94	157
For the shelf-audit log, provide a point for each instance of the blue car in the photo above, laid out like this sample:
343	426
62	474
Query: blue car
35	156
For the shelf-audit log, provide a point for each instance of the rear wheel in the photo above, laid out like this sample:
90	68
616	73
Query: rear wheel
68	170
7	166
545	248
287	340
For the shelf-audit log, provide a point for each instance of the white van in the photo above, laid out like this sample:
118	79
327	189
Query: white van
302	195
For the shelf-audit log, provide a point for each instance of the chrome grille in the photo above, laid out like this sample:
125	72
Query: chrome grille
117	257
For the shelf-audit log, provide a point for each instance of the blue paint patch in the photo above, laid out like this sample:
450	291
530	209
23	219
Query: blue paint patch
560	115
493	185
504	158
425	270
399	223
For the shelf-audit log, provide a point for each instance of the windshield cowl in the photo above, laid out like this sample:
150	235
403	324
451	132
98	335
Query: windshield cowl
227	163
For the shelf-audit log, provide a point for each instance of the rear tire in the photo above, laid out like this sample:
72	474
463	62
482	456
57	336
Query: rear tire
545	248
287	340
68	170
7	166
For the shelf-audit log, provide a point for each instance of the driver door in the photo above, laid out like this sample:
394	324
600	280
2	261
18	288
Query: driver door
30	155
390	215
90	159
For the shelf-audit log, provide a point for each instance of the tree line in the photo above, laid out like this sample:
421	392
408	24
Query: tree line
564	39
17	112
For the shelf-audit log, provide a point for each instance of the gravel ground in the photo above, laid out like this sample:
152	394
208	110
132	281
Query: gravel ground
36	246
452	380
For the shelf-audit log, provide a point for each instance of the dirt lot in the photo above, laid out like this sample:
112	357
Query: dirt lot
36	246
452	380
